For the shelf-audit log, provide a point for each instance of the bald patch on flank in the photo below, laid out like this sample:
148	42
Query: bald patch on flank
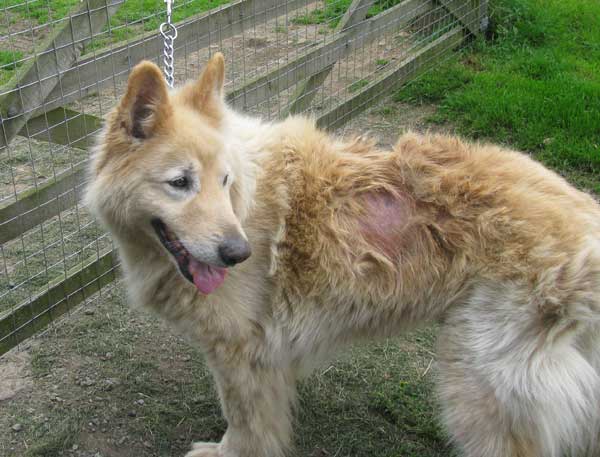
384	221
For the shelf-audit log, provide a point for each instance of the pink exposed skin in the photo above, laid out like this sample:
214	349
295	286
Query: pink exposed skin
386	217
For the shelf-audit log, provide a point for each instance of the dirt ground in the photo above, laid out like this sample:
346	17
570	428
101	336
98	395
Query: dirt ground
108	381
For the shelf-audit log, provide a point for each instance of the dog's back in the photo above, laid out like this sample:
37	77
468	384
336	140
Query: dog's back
394	222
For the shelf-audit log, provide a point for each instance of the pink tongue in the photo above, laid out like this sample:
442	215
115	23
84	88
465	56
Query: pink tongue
206	277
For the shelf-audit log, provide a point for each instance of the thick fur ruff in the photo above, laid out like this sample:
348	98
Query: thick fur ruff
348	242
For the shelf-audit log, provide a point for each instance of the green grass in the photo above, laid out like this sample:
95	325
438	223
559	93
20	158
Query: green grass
535	84
40	11
9	62
357	85
133	17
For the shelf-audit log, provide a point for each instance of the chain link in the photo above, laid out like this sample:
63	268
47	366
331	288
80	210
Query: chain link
169	33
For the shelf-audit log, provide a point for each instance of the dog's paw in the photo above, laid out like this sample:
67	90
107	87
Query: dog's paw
201	449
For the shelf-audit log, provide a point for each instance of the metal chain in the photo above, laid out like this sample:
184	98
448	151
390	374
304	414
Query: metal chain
169	33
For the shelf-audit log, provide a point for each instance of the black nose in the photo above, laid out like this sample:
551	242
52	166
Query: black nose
234	250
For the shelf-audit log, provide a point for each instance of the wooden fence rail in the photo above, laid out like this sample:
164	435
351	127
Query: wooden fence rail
44	116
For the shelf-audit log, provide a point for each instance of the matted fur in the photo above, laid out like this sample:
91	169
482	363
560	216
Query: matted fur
350	241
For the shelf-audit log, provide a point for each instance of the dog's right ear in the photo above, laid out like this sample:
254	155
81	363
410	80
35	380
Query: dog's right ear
145	108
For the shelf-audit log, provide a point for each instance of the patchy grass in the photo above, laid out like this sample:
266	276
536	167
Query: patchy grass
39	11
9	62
136	16
46	253
59	243
43	11
381	398
535	85
357	85
335	9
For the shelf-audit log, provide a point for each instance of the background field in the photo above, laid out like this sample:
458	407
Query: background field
109	381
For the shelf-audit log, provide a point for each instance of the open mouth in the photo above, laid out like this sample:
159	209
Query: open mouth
205	277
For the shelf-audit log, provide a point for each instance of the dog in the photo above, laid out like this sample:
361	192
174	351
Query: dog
273	244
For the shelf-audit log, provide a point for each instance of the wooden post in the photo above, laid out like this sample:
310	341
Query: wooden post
33	83
307	90
484	20
466	12
40	204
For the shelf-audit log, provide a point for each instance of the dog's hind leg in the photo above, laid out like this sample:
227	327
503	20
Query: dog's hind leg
506	390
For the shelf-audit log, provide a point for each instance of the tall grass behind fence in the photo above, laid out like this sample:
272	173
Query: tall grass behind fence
64	63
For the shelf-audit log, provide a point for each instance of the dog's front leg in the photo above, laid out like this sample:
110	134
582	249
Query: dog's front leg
257	401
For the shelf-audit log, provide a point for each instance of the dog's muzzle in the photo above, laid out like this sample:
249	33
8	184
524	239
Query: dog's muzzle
204	276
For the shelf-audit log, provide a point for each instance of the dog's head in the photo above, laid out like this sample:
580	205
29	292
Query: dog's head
163	174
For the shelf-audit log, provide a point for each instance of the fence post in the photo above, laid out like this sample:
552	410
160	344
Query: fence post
467	12
306	90
484	20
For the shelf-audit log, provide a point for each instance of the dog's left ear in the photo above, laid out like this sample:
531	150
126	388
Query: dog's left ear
206	94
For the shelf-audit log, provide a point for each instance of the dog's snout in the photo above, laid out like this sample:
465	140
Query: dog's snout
234	250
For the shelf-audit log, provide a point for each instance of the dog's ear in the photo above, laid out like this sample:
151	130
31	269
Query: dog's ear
145	108
206	94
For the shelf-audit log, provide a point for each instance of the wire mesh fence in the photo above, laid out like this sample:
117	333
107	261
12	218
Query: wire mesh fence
64	63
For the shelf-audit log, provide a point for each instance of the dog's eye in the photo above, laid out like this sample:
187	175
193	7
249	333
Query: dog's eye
180	183
225	180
